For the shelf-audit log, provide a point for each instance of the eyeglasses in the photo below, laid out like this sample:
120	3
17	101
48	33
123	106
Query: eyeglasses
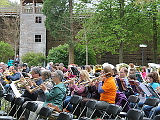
53	76
121	72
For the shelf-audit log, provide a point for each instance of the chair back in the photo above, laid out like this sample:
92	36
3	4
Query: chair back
91	104
135	114
157	117
151	102
1	93
31	106
45	111
75	99
65	116
9	97
133	99
101	105
113	109
19	101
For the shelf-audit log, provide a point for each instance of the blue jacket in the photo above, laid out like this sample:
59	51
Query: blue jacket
14	77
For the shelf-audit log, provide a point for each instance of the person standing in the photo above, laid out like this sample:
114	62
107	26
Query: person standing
16	61
10	62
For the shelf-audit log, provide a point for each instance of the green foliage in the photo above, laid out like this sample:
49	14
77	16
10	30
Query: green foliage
57	18
80	55
6	51
111	24
33	59
60	54
4	2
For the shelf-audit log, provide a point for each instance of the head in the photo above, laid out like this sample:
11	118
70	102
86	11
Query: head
107	69
24	66
88	68
10	68
143	69
14	69
131	65
123	72
84	75
132	71
132	77
46	74
153	77
61	64
57	76
53	67
36	72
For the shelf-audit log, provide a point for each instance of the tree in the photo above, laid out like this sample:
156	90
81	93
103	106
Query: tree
33	59
10	25
4	2
151	9
6	51
116	26
11	31
59	20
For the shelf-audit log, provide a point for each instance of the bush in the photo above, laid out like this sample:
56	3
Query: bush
33	59
60	55
6	51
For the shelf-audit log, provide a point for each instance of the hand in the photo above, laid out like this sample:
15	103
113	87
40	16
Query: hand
30	83
101	79
34	84
72	82
43	87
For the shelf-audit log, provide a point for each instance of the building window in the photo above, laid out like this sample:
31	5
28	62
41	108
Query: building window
38	19
37	38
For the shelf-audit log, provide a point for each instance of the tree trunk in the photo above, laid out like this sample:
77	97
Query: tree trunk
71	54
155	38
121	43
121	52
71	43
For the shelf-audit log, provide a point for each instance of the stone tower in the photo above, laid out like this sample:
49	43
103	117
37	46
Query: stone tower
32	28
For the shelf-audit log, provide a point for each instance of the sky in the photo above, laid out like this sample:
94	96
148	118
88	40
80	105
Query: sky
17	1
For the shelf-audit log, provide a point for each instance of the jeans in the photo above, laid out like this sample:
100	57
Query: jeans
147	109
70	106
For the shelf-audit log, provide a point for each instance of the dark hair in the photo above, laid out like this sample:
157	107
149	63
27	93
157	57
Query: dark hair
24	65
15	68
154	76
125	70
132	76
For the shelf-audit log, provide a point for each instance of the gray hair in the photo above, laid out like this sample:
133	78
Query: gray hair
46	74
59	74
37	70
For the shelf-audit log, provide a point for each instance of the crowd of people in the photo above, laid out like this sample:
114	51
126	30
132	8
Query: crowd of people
55	84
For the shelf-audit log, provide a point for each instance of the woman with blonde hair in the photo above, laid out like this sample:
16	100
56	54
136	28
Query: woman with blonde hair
77	88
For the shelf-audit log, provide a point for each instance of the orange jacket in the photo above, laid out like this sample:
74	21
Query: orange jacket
109	87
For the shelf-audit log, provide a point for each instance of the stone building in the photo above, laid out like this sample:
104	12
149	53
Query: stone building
32	28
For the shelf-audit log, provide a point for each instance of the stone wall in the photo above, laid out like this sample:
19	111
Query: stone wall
28	30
